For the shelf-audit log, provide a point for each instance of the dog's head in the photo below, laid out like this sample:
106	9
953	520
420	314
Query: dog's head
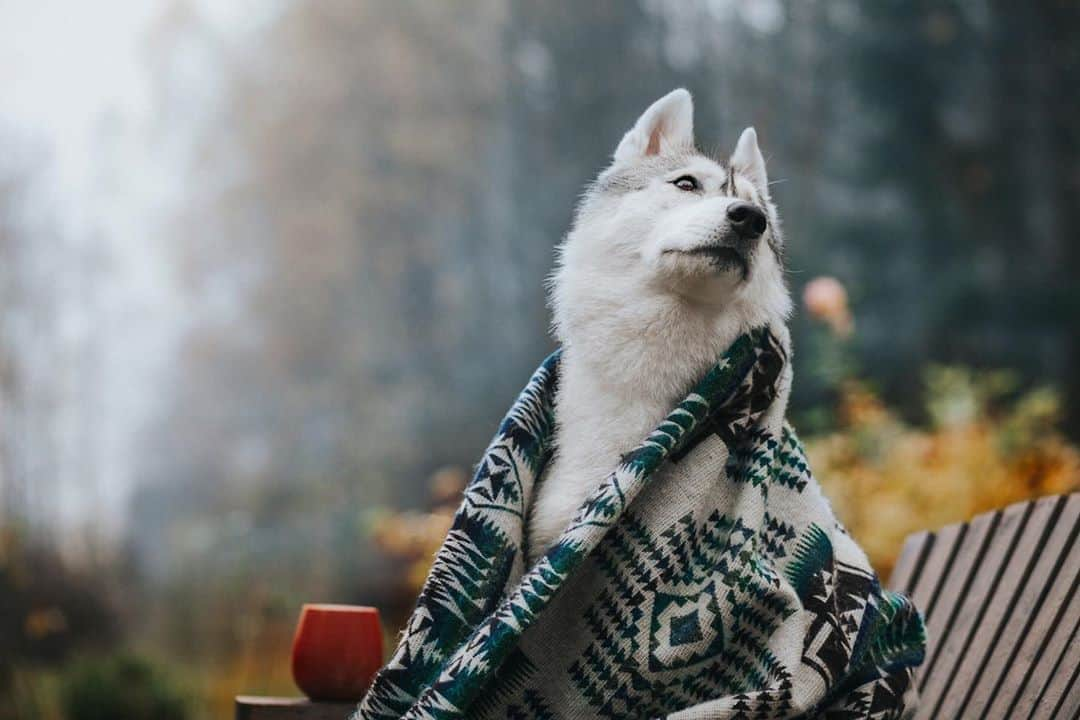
667	222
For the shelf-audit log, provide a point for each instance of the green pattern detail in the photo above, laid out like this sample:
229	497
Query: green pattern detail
814	551
677	606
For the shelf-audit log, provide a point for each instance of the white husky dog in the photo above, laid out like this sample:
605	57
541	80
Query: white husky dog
671	257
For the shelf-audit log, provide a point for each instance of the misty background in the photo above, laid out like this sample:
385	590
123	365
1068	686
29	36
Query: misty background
265	267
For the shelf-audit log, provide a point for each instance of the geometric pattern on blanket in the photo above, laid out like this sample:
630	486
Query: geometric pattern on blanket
761	607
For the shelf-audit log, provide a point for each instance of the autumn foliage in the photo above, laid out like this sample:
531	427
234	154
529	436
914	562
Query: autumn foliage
980	444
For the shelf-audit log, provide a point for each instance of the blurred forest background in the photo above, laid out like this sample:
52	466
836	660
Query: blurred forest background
270	272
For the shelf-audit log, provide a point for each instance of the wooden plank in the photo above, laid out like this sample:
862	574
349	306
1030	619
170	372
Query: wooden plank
1047	665
988	561
251	707
1062	696
1030	667
909	565
949	572
947	542
1008	612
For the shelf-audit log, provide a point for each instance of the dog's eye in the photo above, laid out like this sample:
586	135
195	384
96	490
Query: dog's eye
688	183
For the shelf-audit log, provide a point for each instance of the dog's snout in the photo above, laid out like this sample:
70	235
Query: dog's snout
747	220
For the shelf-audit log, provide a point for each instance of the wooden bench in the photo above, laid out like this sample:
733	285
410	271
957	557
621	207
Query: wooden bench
1002	612
252	707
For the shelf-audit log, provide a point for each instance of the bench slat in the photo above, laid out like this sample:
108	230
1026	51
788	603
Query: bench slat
1042	640
912	559
947	544
1048	665
1008	614
986	560
950	571
1062	693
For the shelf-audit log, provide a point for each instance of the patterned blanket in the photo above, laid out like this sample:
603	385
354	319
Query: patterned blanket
705	578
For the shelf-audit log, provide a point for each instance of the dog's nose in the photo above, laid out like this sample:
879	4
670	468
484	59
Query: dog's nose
747	220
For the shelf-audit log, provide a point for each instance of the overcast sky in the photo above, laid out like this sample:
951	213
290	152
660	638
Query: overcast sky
77	101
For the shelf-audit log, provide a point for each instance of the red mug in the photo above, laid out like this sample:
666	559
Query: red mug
336	651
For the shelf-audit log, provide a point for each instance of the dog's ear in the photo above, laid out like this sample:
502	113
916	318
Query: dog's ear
667	125
748	160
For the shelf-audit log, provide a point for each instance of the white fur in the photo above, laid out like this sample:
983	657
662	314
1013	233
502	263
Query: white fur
667	125
639	320
748	159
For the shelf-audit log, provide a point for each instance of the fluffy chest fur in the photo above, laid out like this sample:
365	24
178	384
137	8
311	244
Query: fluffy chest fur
620	378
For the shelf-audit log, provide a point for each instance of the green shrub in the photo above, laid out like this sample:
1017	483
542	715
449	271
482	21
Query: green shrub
122	687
